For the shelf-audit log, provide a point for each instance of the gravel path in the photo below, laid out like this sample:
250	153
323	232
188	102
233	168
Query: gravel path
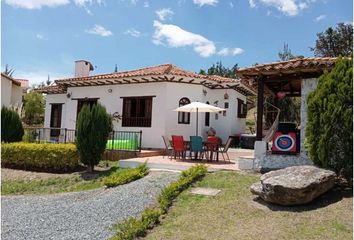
81	215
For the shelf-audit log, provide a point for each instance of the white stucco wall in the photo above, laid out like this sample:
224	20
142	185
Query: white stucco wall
11	94
164	119
16	95
6	86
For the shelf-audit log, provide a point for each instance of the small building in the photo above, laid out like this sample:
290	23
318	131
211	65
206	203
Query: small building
293	78
144	99
11	92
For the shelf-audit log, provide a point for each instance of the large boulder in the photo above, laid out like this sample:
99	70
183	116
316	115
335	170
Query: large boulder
294	185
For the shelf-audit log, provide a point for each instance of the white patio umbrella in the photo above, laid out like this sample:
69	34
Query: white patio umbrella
198	107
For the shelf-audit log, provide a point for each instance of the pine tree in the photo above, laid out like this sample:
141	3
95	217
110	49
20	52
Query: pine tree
93	127
329	133
11	126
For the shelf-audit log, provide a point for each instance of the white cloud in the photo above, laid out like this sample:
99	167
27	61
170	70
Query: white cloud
174	36
231	5
133	32
287	7
40	36
252	3
134	2
164	13
320	18
230	51
99	30
205	2
36	4
146	4
36	77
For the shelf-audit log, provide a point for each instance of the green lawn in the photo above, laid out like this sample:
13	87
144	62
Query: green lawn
234	215
78	182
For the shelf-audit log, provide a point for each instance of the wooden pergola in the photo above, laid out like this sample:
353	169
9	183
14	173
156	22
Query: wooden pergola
285	76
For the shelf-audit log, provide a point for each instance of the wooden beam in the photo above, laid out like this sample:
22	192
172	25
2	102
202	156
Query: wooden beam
156	80
135	80
180	80
127	81
190	81
171	79
260	102
145	79
161	79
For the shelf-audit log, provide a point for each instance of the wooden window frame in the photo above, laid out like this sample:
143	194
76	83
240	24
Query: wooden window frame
140	115
55	107
241	108
184	117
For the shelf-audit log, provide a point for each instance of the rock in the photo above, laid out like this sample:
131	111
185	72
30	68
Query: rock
294	185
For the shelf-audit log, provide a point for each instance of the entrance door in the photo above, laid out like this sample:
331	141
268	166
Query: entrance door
55	120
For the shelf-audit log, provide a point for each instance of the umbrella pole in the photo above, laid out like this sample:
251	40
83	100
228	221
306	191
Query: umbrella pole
197	123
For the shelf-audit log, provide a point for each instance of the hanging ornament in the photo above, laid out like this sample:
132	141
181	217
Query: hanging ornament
281	94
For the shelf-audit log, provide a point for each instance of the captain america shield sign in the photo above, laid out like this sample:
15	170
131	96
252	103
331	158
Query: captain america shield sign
284	142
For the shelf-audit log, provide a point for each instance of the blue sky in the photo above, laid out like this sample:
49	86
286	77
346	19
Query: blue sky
41	37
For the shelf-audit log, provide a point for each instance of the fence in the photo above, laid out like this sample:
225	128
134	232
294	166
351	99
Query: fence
117	140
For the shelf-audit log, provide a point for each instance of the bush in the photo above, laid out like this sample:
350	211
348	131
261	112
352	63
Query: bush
133	228
93	127
43	157
174	189
126	176
329	131
11	126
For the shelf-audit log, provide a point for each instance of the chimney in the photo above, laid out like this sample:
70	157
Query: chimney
83	68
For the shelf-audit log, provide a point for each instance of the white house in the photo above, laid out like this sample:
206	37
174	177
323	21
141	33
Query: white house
145	98
11	92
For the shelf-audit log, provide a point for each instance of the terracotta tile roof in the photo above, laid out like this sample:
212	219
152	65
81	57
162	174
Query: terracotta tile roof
291	66
160	73
17	83
163	69
54	89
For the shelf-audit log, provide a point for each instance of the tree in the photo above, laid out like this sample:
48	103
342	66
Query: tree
335	42
329	138
220	70
8	72
34	108
92	128
286	54
11	126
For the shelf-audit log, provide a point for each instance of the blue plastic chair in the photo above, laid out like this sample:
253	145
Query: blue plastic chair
196	146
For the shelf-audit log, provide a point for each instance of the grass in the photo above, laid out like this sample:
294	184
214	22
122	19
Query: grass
233	214
75	183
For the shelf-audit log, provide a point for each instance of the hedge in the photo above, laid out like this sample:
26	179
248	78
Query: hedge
126	176
133	228
41	157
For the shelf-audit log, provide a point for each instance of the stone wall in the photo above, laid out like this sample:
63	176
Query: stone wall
307	86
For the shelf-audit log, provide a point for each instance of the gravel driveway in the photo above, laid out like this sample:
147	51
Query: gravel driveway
80	215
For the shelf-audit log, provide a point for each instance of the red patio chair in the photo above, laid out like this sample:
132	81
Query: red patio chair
212	146
178	146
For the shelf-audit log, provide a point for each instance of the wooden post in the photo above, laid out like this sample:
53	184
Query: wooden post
260	101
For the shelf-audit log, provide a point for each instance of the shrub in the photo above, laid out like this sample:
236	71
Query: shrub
174	189
329	136
93	127
11	126
44	157
126	176
133	228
